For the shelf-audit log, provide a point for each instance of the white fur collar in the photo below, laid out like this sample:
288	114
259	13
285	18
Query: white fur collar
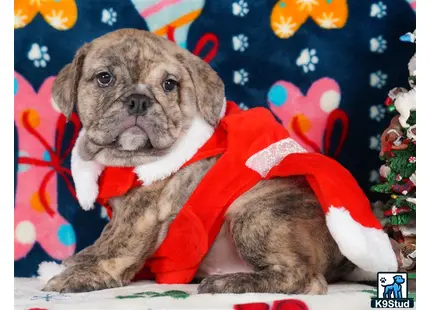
86	173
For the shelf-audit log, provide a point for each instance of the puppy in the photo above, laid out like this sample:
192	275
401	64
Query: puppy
137	95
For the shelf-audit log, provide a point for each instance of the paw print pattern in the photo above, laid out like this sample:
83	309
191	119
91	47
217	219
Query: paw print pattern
378	10
240	8
38	55
307	60
240	42
374	176
240	77
377	112
109	16
378	45
243	106
375	142
378	79
103	214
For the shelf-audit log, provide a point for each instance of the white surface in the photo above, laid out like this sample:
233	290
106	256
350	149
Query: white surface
28	295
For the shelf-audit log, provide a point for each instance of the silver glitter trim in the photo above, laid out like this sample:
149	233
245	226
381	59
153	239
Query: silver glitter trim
263	161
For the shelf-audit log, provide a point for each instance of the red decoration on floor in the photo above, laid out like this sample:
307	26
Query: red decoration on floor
289	304
285	304
252	306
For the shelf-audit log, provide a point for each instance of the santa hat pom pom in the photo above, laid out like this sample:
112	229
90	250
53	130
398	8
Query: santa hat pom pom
47	270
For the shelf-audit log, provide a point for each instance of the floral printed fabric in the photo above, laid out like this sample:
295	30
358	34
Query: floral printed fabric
323	67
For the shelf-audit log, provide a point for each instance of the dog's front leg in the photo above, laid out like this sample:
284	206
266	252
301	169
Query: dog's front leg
121	252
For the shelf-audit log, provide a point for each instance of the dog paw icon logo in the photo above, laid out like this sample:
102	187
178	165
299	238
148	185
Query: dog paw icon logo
392	291
393	286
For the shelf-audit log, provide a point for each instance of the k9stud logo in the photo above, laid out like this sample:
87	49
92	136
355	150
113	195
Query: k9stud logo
392	291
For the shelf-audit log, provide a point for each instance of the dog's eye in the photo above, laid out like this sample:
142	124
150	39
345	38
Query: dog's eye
104	79
169	85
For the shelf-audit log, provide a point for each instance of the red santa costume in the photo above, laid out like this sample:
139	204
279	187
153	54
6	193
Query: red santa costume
252	146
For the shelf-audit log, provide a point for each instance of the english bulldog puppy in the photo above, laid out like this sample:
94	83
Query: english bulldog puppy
140	98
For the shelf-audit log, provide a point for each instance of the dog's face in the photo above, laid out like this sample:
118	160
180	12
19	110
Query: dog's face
136	94
399	279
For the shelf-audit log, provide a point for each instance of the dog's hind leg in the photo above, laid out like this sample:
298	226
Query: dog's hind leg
279	231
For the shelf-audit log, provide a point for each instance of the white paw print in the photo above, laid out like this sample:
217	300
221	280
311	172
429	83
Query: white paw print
374	176
378	79
103	213
38	55
375	143
240	42
307	60
240	8
240	77
378	9
377	112
243	106
378	45
109	16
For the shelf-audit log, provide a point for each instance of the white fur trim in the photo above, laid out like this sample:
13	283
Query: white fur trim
85	176
368	248
86	173
47	270
263	161
198	133
186	147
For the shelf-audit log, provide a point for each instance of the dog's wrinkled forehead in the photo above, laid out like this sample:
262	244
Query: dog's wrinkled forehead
135	56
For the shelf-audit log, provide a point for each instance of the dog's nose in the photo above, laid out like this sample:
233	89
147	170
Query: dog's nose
137	104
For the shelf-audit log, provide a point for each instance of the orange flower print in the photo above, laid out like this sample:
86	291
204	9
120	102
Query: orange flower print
288	15
60	14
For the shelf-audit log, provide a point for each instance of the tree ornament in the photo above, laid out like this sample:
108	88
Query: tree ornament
405	103
384	170
412	159
404	188
391	108
388	102
411	133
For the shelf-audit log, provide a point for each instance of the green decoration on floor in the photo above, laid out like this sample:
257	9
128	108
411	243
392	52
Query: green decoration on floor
173	293
372	292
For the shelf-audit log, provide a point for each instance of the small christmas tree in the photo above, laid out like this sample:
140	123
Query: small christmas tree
398	151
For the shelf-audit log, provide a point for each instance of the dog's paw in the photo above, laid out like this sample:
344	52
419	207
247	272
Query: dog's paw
84	256
213	284
80	278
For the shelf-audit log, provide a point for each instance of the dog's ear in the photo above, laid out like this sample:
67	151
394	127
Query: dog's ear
208	86
65	87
